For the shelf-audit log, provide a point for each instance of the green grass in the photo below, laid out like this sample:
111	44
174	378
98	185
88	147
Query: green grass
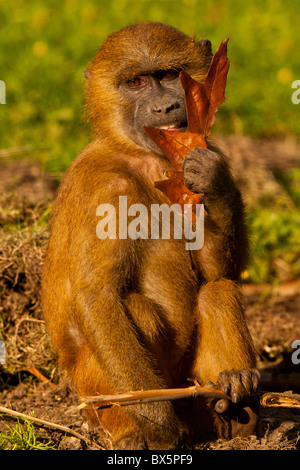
23	437
275	234
275	238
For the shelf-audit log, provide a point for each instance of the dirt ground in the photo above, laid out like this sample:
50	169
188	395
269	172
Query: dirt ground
26	194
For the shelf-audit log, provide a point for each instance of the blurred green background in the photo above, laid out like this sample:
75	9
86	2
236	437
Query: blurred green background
45	47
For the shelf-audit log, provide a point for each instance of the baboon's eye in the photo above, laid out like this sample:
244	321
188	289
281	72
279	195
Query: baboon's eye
137	82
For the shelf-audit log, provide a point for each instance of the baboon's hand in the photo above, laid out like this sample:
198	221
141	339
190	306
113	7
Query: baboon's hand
238	384
236	417
206	172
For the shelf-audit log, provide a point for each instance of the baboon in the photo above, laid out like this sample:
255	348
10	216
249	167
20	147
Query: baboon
130	314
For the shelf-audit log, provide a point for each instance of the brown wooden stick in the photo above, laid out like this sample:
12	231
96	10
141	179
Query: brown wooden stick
147	396
34	371
283	400
266	399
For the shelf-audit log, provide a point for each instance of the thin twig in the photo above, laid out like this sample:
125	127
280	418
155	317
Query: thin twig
148	396
264	398
34	371
283	400
17	414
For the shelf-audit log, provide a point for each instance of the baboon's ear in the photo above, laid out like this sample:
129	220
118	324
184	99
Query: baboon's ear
206	46
86	73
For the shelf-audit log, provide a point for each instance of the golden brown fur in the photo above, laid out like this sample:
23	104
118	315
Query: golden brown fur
133	314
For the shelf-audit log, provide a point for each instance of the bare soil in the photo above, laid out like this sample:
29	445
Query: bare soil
26	194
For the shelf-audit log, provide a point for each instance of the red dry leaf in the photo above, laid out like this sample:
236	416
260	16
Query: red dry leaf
202	102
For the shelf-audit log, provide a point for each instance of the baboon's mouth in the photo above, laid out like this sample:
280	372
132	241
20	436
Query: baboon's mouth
176	127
